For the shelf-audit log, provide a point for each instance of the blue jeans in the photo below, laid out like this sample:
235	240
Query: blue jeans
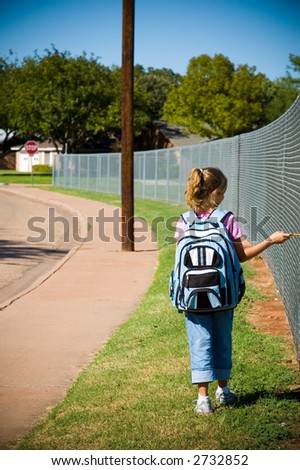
210	341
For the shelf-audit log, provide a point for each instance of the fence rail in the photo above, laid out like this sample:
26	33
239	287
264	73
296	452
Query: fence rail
263	170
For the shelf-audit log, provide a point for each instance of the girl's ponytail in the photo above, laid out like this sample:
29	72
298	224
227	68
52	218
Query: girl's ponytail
195	178
200	186
193	188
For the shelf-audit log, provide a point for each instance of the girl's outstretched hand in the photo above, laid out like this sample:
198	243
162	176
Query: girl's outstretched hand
279	237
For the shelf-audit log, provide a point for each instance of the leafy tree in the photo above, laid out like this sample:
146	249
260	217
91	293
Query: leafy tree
150	92
61	98
283	91
216	99
141	104
295	67
157	84
7	86
75	101
282	95
247	97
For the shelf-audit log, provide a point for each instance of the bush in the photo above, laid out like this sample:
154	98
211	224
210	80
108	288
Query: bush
42	169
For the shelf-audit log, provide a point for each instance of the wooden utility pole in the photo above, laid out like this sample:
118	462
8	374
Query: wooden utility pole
127	125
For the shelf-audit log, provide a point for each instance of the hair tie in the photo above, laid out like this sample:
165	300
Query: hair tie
201	171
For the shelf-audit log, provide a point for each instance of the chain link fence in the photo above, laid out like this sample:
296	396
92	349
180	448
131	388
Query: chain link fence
263	170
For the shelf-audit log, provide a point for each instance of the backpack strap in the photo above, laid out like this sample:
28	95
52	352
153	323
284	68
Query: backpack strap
189	217
218	215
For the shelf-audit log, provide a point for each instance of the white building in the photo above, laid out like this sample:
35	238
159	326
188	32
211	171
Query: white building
44	156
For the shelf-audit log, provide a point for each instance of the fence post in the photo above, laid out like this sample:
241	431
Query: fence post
238	176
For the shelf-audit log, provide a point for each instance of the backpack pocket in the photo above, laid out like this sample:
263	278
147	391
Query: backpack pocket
242	286
203	256
202	290
174	291
171	286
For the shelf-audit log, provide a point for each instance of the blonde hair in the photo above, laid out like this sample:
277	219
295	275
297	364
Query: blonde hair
201	185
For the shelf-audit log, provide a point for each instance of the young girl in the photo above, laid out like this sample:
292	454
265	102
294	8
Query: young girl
210	335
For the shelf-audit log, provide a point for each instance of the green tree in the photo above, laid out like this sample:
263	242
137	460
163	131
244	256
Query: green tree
157	84
247	97
7	86
283	91
295	67
216	99
61	98
141	105
150	92
73	101
282	95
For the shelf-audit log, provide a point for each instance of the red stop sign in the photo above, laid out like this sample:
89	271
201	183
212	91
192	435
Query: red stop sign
31	147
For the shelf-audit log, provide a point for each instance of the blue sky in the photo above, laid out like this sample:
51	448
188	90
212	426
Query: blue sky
168	33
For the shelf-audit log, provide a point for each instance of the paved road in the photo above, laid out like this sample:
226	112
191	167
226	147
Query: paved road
29	248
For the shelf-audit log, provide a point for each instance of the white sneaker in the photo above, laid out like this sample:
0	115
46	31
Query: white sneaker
203	407
229	398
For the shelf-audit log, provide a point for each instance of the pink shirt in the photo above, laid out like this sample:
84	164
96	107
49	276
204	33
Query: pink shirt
232	226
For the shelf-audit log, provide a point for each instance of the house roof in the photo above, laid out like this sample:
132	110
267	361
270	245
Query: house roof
179	136
47	145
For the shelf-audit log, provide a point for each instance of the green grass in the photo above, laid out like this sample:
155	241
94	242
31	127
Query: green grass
136	393
15	177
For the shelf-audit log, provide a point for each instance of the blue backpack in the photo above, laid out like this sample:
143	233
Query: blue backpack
207	275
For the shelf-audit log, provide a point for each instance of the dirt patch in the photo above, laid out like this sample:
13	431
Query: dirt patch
268	315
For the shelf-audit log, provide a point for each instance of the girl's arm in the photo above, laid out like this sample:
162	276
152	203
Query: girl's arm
246	251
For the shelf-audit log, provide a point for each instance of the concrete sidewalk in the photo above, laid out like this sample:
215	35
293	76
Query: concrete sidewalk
51	332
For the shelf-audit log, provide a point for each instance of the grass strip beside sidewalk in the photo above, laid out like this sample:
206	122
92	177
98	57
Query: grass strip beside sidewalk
136	393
